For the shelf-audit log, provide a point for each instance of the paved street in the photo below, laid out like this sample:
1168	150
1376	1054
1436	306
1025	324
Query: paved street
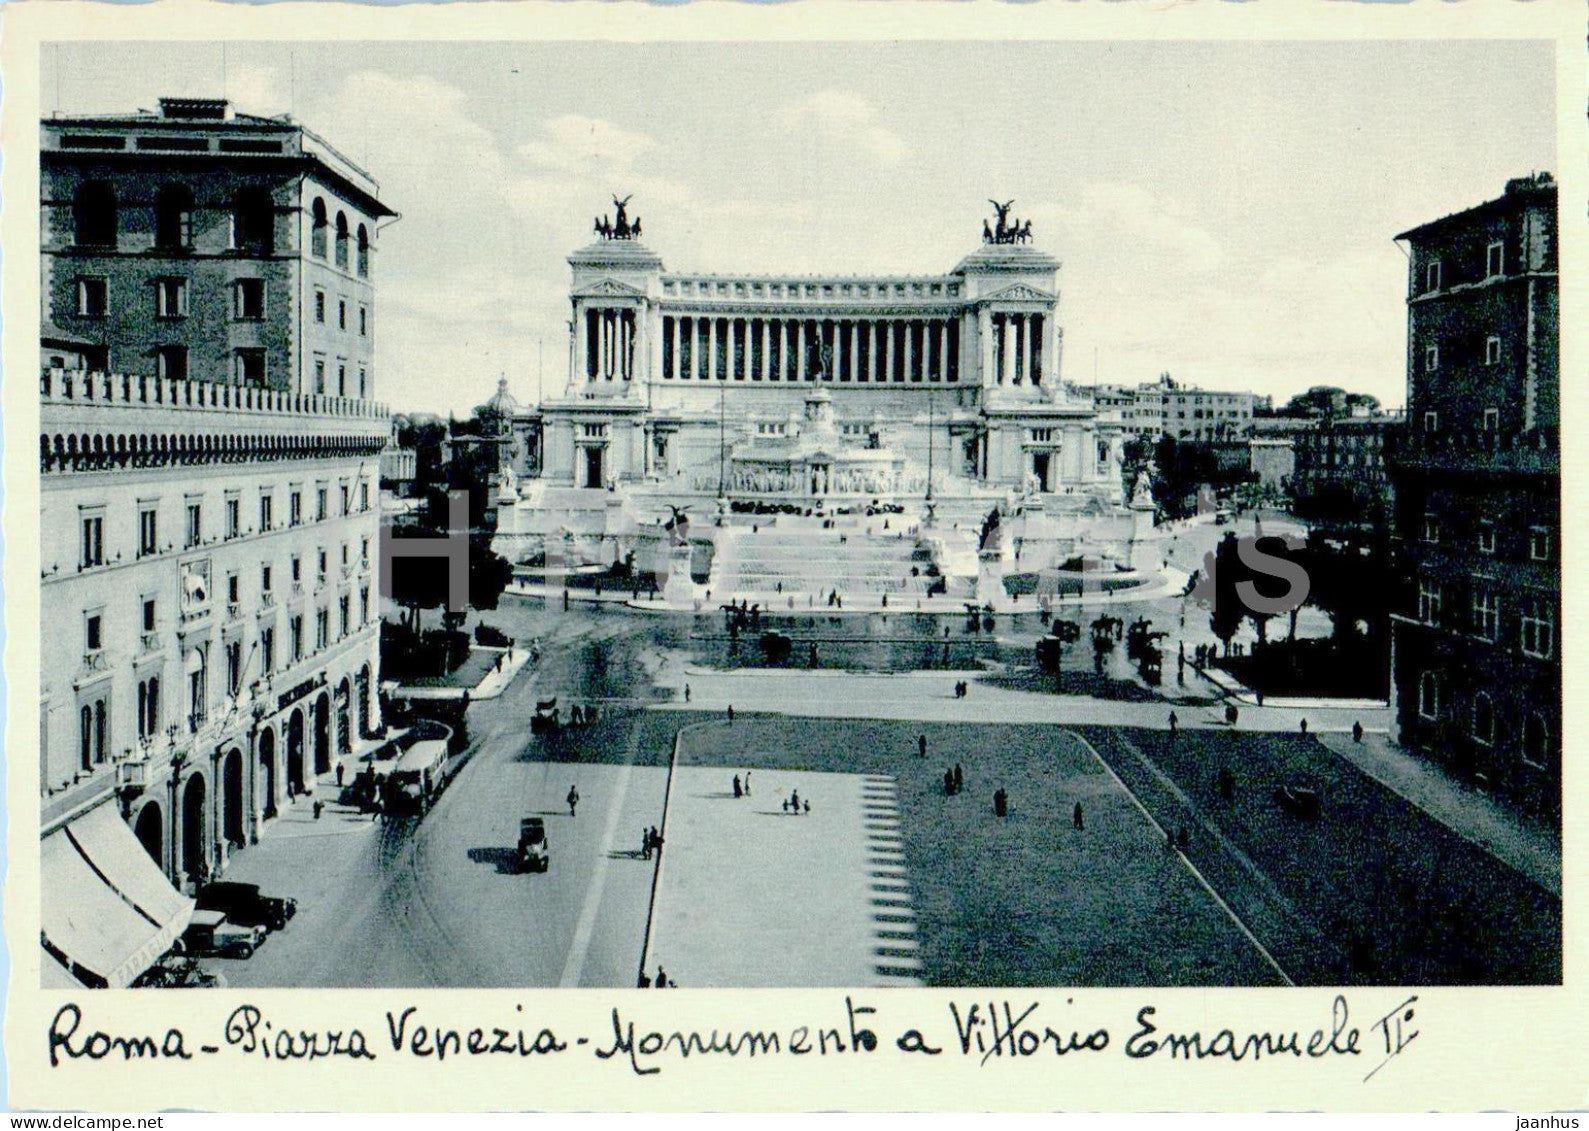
888	880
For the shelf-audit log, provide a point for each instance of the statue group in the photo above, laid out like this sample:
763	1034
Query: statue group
1006	230
622	229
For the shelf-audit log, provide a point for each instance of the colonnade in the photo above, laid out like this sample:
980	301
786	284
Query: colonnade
611	339
875	350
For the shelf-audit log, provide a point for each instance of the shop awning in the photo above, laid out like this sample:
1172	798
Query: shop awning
106	906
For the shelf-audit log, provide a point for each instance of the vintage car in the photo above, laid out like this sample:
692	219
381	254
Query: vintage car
545	719
1299	801
533	854
243	904
209	935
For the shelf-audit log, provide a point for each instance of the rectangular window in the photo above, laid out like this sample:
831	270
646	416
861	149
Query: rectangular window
364	498
1431	276
320	504
93	540
234	666
1431	359
1431	422
322	628
1430	599
1539	629
171	362
195	525
171	298
148	532
233	595
364	321
248	299
1431	528
266	518
1492	419
342	314
295	626
364	382
342	378
1492	350
251	367
319	306
1539	543
364	552
1486	615
265	579
234	513
319	374
321	572
93	638
364	605
342	608
1486	537
346	499
295	508
1495	260
297	568
267	651
91	297
149	621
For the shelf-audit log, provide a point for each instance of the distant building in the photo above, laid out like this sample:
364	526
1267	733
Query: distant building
1167	408
1476	650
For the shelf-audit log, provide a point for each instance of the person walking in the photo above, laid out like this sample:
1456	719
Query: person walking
656	839
573	799
794	801
960	778
341	770
730	714
1304	727
738	790
921	746
1001	802
1174	722
645	842
686	693
948	783
747	783
1076	817
1357	732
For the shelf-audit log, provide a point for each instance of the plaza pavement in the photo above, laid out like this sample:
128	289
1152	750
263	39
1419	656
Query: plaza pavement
751	895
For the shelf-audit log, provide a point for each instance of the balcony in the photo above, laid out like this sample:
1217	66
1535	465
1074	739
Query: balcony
267	600
1533	452
94	661
71	386
234	610
150	642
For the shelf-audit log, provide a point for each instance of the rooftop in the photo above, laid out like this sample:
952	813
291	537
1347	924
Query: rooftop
1519	191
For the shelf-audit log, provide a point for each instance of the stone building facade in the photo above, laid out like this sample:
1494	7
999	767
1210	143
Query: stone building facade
1476	653
209	520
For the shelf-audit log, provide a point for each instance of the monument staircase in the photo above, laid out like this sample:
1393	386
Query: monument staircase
807	558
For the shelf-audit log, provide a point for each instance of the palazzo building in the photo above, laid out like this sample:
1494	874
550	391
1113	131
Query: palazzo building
209	450
1476	478
810	396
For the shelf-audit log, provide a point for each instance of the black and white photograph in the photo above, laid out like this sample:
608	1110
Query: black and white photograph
808	515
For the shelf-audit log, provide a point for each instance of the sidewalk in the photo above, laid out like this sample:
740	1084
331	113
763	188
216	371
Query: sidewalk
493	683
1523	845
1239	691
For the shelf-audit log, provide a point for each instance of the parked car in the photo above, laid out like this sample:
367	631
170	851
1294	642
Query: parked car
210	935
1299	801
177	971
243	904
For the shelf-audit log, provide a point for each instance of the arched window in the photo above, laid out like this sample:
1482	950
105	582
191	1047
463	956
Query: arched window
1536	739
94	215
173	218
1429	696
1483	720
342	239
87	744
317	236
254	221
364	252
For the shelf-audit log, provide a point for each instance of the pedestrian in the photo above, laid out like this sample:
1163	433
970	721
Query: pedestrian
794	801
786	805
1001	802
645	980
747	783
738	792
1174	722
656	839
948	783
1304	727
686	693
1076	818
662	979
1259	695
730	714
960	778
1357	732
341	770
318	808
808	805
645	842
573	799
565	598
921	746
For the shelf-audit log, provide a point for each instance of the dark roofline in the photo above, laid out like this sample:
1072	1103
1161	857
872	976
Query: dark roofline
1512	199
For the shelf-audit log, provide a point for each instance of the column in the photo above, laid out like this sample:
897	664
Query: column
1025	371
943	351
1007	360
985	345
855	351
910	334
800	350
711	349
837	350
889	329
677	367
871	352
766	349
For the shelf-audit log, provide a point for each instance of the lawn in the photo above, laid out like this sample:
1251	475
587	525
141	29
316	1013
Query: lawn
1026	900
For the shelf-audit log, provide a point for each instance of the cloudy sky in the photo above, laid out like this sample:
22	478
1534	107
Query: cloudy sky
1223	212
